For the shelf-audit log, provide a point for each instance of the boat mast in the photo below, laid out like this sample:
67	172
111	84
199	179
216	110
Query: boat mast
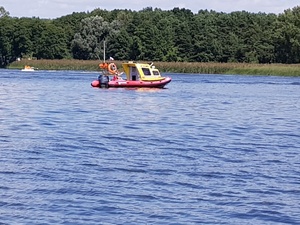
104	50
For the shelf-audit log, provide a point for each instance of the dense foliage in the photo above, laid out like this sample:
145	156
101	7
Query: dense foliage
176	35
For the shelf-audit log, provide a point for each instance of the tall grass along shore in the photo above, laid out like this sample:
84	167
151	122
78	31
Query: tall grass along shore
174	67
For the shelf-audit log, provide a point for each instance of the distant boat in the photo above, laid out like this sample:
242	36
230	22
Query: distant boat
28	68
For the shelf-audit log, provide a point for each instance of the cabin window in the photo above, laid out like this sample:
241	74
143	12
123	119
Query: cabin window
146	71
155	72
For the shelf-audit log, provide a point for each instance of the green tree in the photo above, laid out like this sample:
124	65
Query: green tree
70	25
6	47
121	47
287	37
52	43
3	12
206	37
22	38
165	40
88	42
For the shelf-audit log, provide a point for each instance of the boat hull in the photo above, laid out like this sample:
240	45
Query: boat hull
134	84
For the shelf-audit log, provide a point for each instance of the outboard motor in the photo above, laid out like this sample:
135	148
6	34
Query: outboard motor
103	81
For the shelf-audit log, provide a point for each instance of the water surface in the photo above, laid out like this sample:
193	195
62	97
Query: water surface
207	149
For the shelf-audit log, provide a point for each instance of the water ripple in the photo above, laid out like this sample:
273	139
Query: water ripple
205	150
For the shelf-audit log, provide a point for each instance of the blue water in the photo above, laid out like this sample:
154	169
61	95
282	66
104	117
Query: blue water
207	149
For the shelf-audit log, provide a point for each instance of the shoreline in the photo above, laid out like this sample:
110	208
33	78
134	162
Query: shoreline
291	70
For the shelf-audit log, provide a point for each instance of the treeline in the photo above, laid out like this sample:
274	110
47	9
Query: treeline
177	35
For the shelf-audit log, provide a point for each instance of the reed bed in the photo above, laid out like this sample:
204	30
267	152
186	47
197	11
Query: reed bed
174	67
231	68
65	64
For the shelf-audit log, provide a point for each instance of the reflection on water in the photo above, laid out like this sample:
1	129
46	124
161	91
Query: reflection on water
149	89
207	149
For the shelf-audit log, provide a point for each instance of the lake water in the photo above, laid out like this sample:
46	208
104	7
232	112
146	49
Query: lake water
207	149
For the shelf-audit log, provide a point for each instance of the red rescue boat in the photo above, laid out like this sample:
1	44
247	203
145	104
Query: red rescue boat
138	75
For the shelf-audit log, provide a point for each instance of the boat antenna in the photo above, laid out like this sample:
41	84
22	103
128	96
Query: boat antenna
104	50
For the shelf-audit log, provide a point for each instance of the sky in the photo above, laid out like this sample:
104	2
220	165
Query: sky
51	9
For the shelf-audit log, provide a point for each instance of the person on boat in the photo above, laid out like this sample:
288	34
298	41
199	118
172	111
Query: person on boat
117	76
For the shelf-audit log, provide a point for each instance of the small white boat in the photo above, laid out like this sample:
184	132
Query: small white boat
28	68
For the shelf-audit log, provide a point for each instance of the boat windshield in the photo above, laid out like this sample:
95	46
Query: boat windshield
146	71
